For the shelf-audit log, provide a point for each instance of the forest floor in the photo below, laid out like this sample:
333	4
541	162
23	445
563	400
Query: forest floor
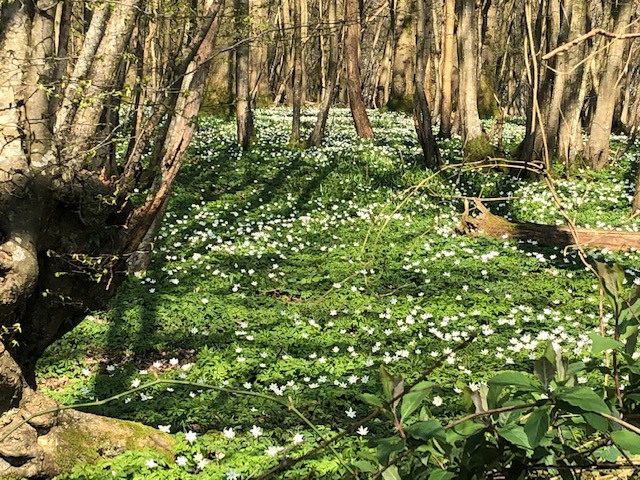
287	277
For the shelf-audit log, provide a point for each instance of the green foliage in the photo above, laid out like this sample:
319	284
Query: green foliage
300	273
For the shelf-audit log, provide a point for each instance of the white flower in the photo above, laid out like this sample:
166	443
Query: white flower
437	401
190	436
181	461
256	431
165	428
362	430
151	463
135	383
298	439
351	413
232	474
273	450
228	432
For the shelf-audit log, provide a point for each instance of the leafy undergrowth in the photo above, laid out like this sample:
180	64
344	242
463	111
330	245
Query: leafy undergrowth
295	275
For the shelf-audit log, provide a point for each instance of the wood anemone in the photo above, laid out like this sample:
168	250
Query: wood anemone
495	226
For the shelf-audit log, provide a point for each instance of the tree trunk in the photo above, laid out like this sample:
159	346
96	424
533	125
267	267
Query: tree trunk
468	61
351	54
421	113
402	63
297	72
609	91
570	143
244	115
448	44
332	78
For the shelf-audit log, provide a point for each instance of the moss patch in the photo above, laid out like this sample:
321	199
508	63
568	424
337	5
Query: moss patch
85	439
478	148
400	104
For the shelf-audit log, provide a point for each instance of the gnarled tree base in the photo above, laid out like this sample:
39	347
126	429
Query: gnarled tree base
551	235
50	444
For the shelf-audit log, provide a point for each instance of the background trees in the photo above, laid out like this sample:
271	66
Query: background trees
483	58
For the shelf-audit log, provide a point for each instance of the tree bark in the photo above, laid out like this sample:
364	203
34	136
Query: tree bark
570	143
610	82
354	85
328	93
244	115
550	235
421	113
297	72
448	45
468	62
402	64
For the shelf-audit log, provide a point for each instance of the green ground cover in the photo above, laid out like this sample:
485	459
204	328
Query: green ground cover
294	275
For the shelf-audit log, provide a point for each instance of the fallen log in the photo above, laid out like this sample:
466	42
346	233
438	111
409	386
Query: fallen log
494	226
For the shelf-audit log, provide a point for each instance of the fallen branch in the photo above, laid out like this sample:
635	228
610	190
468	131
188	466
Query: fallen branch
551	235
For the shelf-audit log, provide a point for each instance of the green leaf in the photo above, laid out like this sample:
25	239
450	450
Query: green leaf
536	426
518	380
611	278
441	475
371	399
411	401
388	446
364	466
608	454
515	435
468	428
627	440
391	386
575	368
599	423
584	398
391	473
601	343
426	430
544	370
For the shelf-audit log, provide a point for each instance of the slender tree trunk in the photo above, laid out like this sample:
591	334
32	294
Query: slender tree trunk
610	84
421	113
448	45
468	61
332	78
244	115
354	85
297	72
